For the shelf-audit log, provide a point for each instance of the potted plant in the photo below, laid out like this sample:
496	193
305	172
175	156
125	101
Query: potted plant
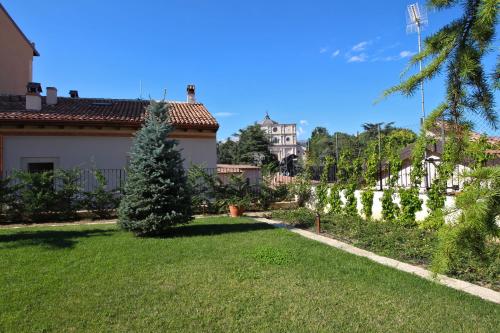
237	205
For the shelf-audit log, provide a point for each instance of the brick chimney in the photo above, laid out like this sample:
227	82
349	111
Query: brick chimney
73	93
51	96
33	98
191	98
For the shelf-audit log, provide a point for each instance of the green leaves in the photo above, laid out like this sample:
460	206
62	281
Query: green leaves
477	207
459	48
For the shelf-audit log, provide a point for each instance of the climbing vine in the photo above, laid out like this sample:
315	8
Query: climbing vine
390	209
410	205
350	207
334	199
322	188
371	172
367	202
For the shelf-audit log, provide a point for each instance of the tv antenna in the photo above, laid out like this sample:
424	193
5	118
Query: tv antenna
416	19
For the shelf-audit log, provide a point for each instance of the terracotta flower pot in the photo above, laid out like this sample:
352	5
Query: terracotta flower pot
235	211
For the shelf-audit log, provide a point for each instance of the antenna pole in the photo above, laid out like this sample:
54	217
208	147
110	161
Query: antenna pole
420	70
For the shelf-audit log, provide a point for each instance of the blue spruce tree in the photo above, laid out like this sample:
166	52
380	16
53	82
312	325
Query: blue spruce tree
156	194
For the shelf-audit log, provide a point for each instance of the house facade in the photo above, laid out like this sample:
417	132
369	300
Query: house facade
52	132
16	56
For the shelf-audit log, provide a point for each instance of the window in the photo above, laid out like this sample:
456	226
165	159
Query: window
39	164
287	139
275	140
38	167
275	129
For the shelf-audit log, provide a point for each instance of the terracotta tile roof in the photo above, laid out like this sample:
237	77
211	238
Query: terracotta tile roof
122	112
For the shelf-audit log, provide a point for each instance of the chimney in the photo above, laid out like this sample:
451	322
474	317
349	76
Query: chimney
33	98
73	93
191	98
51	96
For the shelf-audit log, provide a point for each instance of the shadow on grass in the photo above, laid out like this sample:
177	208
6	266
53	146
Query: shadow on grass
214	229
56	239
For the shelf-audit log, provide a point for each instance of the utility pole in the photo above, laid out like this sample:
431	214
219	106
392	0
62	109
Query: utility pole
379	157
336	147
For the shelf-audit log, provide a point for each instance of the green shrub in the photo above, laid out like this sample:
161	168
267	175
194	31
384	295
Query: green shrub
350	207
203	187
267	195
434	221
282	192
367	201
301	188
478	205
390	209
412	245
67	196
36	196
9	209
301	216
410	205
100	202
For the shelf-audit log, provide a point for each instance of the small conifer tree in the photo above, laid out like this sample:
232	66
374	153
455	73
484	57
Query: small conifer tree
156	195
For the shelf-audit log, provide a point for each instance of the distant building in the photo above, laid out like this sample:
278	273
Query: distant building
16	56
282	138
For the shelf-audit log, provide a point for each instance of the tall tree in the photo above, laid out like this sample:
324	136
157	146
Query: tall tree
156	193
253	146
227	152
320	145
459	49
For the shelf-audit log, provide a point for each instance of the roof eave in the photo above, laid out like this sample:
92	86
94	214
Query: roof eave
112	123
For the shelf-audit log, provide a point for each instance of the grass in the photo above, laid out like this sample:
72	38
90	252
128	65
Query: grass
217	274
409	244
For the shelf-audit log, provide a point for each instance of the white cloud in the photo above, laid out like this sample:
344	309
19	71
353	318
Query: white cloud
401	55
358	58
335	53
304	122
300	131
361	46
406	54
224	114
323	49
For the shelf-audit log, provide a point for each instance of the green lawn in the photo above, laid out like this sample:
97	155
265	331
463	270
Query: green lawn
217	274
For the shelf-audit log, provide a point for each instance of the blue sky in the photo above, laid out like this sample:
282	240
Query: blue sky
315	63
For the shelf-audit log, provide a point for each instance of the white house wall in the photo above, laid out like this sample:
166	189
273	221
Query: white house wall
199	151
89	152
84	152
